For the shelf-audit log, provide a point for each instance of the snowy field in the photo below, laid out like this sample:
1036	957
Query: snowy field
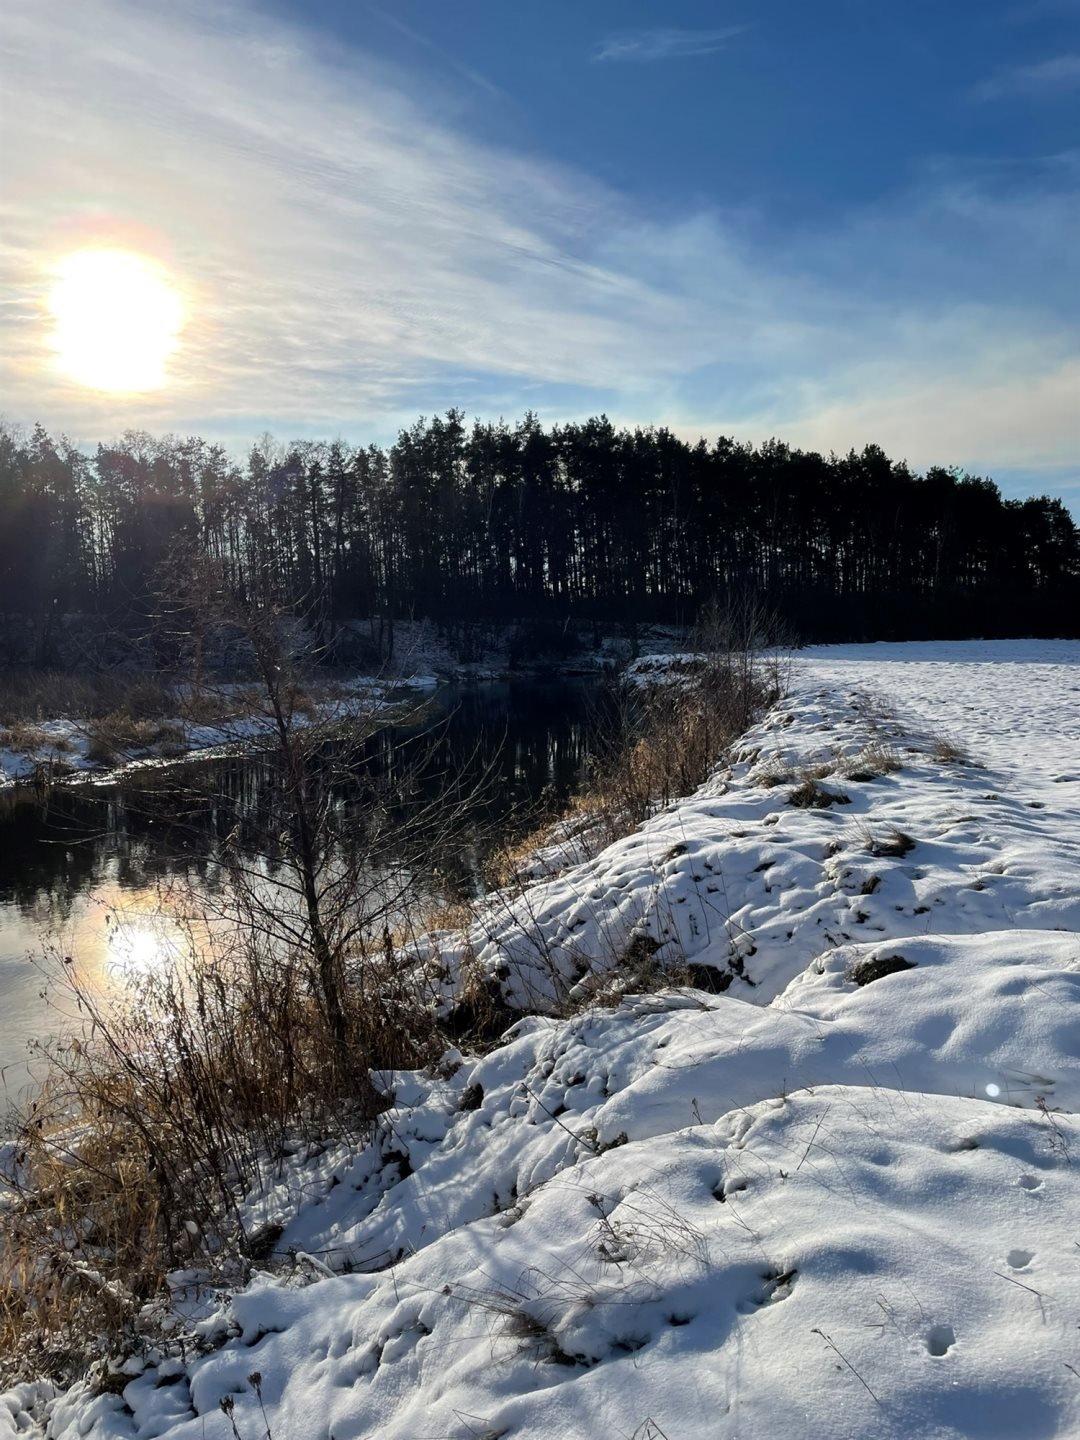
835	1194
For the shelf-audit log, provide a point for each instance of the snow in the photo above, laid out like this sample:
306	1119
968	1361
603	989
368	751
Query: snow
838	1199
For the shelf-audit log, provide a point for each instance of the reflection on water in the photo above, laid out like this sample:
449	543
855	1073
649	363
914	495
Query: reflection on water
85	876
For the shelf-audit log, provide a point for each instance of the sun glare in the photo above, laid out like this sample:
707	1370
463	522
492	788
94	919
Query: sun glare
117	318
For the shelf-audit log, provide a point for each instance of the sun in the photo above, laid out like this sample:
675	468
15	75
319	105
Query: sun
117	320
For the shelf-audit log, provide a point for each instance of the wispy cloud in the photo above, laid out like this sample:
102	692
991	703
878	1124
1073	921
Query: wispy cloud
648	45
350	259
1046	79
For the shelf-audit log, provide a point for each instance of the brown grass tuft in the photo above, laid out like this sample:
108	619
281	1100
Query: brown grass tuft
811	795
949	751
118	736
26	738
875	760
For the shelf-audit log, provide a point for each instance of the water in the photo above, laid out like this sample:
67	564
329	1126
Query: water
84	874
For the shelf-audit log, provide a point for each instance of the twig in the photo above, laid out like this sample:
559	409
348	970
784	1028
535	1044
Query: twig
833	1346
817	1127
1030	1289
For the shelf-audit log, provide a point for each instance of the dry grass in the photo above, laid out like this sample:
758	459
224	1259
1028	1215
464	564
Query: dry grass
119	735
120	715
663	743
30	696
877	759
207	705
947	750
776	772
137	1154
134	1157
894	843
670	739
29	739
810	794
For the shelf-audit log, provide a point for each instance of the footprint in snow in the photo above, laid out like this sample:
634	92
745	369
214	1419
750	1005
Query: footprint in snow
940	1339
1019	1259
1029	1182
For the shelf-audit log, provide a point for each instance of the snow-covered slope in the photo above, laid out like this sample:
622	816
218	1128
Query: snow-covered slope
839	1199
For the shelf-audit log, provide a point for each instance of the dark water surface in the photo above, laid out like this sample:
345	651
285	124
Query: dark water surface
82	871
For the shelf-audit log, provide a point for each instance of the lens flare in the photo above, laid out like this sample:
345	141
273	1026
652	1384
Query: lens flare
136	949
117	320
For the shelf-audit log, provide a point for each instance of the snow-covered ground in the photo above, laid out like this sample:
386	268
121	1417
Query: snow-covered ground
839	1199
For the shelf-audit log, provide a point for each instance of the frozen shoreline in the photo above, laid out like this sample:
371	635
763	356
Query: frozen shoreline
63	756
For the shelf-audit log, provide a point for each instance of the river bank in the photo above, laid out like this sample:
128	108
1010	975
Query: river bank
94	868
133	717
836	1198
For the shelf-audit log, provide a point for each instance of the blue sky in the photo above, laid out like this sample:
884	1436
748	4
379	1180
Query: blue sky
835	223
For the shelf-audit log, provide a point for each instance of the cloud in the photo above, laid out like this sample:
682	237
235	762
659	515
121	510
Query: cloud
1021	419
648	45
1045	80
339	247
350	259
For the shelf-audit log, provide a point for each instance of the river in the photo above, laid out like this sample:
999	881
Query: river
85	870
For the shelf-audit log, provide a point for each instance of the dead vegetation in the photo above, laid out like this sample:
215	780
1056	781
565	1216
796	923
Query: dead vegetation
810	794
27	738
119	736
179	1101
261	1037
666	736
135	1156
892	842
865	972
32	696
877	759
947	750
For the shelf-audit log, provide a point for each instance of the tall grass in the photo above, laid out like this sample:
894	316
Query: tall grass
134	1159
664	737
31	696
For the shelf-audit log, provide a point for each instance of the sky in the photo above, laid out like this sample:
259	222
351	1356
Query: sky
838	223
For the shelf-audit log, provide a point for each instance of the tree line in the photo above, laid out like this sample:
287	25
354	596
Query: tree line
496	522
